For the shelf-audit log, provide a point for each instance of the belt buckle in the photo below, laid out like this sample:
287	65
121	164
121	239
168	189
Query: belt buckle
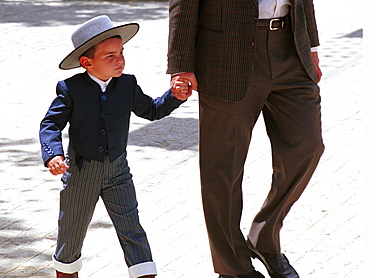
275	20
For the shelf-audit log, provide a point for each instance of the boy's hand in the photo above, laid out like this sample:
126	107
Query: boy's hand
57	165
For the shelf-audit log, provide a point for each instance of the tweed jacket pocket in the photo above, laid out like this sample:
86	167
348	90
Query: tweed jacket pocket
209	44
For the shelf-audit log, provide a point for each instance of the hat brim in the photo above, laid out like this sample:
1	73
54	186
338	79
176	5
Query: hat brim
126	32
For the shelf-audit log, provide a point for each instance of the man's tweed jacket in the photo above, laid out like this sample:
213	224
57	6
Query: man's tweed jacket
215	39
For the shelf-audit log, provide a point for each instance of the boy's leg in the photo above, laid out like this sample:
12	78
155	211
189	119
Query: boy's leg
66	275
119	197
77	203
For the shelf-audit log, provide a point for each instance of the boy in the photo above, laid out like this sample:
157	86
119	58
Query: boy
97	105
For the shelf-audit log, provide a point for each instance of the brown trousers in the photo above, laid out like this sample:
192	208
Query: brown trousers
290	103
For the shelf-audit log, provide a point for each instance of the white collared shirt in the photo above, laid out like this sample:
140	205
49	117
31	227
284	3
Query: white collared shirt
103	84
273	8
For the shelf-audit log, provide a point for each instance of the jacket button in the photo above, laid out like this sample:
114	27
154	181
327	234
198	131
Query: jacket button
101	149
103	132
103	97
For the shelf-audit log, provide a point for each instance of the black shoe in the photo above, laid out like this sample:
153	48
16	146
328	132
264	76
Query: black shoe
277	264
254	274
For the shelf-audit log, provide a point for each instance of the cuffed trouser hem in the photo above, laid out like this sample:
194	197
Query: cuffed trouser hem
68	268
138	270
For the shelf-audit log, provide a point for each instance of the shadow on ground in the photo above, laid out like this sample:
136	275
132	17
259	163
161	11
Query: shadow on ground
58	12
173	134
20	153
355	34
16	246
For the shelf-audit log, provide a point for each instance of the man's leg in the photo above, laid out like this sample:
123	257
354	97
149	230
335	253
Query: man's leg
225	132
293	122
295	134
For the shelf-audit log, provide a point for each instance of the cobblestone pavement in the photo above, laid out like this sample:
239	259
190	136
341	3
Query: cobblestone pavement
323	235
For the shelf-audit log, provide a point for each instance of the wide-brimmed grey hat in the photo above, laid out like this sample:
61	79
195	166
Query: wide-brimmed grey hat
92	32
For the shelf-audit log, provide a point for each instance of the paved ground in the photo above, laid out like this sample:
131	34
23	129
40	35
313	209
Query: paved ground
323	235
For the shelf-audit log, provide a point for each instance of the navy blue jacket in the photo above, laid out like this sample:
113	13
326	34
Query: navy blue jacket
98	122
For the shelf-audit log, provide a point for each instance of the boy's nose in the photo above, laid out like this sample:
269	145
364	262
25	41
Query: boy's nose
120	60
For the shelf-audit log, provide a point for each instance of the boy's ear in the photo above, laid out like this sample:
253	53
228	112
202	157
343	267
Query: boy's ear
85	62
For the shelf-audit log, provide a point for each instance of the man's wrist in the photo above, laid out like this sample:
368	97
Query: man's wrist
177	73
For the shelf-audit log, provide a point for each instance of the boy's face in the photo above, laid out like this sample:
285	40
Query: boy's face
108	60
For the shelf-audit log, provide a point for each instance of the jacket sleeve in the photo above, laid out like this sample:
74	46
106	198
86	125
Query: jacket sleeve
54	122
153	109
183	22
311	23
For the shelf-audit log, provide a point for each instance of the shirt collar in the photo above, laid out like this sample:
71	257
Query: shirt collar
103	84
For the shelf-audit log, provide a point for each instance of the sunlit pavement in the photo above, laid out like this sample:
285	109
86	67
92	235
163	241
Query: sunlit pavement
323	234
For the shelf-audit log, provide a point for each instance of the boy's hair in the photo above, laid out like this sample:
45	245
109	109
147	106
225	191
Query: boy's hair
90	53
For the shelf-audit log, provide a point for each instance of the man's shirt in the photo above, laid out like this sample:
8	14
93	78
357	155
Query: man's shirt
273	8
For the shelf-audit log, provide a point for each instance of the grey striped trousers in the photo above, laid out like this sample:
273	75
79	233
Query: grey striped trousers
80	193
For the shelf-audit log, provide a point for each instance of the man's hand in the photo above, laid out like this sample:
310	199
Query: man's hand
181	89
315	57
57	165
190	76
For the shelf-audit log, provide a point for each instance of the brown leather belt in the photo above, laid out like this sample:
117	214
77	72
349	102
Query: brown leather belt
273	23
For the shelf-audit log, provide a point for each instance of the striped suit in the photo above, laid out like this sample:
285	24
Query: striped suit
244	70
112	182
98	131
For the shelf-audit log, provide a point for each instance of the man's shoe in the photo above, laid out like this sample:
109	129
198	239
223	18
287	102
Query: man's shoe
277	264
254	274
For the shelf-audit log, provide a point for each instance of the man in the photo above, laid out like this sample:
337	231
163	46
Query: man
245	57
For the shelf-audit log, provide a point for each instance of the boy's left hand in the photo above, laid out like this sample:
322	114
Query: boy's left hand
181	89
57	165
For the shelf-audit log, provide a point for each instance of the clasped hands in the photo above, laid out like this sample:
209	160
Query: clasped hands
182	85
